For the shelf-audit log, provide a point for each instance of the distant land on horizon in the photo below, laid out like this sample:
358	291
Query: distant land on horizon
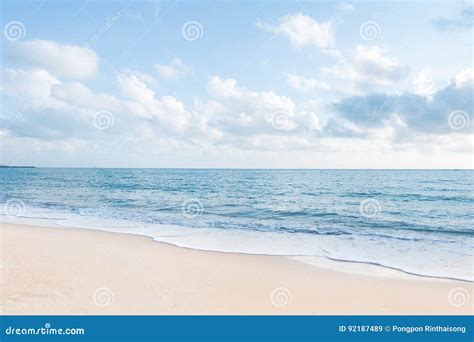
18	167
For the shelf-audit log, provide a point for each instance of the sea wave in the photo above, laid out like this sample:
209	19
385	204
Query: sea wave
420	223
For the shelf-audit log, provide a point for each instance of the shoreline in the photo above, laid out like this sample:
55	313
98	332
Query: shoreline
322	261
83	271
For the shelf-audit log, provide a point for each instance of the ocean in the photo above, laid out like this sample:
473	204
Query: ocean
415	221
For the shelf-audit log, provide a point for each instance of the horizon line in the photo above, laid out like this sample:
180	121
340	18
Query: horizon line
3	166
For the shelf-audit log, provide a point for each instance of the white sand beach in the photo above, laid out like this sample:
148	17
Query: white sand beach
78	271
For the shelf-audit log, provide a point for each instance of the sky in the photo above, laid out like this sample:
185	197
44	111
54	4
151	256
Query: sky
237	84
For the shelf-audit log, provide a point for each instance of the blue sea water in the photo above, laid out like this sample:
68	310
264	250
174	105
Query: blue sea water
415	221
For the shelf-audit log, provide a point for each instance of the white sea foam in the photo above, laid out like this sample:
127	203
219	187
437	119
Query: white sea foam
328	251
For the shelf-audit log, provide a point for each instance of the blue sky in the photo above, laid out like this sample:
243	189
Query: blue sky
237	84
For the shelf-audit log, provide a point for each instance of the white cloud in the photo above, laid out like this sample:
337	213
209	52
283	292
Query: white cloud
345	6
170	113
305	84
236	118
144	77
78	95
167	115
423	83
32	86
303	31
172	71
133	88
261	120
410	115
369	68
464	79
57	109
65	60
244	112
228	90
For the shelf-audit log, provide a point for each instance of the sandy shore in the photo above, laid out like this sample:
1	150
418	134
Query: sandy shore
77	271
